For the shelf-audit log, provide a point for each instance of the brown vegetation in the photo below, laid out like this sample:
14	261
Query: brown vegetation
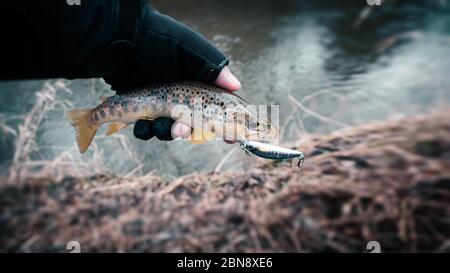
388	182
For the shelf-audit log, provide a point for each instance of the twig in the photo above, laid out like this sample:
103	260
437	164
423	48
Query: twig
315	114
224	159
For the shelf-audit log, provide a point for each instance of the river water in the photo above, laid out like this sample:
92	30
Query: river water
327	66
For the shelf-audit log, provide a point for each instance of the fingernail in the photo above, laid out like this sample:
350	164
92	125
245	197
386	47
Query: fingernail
234	81
227	80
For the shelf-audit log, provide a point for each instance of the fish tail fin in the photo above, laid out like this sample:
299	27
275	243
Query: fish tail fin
85	130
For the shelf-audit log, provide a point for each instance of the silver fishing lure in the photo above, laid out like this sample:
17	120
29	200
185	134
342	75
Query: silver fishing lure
271	151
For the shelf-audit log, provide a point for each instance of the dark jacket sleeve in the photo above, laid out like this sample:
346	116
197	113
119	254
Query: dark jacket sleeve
51	38
126	42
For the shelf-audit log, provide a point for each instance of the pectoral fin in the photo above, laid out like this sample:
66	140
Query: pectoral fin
116	126
200	136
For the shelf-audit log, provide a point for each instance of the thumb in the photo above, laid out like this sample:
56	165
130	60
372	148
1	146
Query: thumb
227	80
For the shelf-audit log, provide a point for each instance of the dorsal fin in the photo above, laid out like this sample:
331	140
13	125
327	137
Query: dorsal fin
103	98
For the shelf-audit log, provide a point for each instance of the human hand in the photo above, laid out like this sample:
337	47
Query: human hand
167	129
168	51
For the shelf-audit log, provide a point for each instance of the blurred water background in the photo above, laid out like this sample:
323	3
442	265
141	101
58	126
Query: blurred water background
328	66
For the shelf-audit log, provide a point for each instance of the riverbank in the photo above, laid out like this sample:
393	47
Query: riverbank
387	182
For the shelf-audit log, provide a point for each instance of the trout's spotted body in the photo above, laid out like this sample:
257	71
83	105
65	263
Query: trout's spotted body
217	109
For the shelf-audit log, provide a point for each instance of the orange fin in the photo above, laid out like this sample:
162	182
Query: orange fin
85	130
115	127
200	136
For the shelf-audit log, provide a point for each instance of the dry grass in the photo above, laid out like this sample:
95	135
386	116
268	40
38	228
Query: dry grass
388	182
29	162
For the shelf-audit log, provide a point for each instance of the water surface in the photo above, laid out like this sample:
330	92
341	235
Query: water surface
342	68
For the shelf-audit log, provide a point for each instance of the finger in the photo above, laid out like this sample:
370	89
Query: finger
227	80
143	129
182	130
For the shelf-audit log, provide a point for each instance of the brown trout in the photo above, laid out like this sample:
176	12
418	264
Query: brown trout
212	113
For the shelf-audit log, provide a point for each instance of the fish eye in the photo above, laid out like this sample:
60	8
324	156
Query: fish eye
251	148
